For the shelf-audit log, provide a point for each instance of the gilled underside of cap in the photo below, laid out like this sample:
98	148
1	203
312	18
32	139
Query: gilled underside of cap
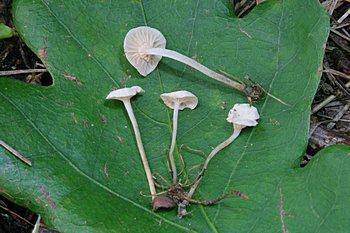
136	43
185	98
123	93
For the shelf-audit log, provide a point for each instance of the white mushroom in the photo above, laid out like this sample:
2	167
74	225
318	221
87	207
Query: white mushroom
125	94
241	116
177	100
145	46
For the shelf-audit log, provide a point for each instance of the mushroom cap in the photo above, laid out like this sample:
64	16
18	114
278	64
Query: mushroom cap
136	43
244	115
124	93
185	99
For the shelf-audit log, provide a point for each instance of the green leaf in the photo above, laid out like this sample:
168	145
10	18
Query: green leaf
316	198
5	31
87	174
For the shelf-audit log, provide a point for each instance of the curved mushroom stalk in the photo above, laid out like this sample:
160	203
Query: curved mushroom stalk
177	100
173	143
196	65
125	94
241	116
145	46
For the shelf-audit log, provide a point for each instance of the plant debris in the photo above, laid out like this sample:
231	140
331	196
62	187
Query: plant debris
330	123
15	153
330	119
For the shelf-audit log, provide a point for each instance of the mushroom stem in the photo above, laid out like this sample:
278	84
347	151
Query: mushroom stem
236	132
173	142
188	61
146	166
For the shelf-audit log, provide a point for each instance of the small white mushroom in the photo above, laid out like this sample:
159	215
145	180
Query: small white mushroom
145	46
241	116
177	100
124	95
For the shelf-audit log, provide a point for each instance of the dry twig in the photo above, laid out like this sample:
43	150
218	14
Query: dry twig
344	16
340	34
18	216
326	101
15	72
16	153
336	72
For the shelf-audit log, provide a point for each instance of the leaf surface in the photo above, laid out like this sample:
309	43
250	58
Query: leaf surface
87	174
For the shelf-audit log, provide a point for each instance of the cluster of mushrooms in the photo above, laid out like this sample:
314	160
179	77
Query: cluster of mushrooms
144	48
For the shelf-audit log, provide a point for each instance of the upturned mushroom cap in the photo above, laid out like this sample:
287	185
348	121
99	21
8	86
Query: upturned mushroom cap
185	99
124	93
137	41
244	115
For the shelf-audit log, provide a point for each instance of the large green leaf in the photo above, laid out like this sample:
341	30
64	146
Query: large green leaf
87	174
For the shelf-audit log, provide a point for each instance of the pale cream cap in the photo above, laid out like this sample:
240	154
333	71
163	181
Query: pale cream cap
124	93
185	99
243	114
137	41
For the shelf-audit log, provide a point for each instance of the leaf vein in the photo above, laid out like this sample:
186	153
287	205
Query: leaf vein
82	173
76	39
261	111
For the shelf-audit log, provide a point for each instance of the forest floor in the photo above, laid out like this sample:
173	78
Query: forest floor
330	115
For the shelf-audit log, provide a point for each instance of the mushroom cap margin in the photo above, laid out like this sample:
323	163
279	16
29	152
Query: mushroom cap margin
185	98
136	43
124	93
243	114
